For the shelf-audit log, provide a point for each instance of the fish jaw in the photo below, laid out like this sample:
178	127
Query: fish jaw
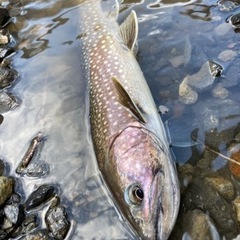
142	161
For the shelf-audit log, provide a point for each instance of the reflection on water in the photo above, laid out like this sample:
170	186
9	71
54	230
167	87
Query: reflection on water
174	41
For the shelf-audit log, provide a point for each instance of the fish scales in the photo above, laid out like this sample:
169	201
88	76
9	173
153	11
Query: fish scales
128	135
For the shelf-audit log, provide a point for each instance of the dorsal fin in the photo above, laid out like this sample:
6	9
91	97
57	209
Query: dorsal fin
129	30
126	100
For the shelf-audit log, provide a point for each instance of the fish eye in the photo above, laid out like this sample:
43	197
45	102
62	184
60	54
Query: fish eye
134	194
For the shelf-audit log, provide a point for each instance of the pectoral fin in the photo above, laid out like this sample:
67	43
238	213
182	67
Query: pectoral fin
127	101
129	31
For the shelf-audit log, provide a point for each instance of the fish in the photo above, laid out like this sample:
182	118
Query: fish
129	138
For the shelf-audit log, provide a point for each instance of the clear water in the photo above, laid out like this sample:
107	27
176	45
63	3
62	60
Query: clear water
54	96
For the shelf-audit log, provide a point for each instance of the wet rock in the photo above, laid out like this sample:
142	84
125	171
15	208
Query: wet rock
7	77
29	223
38	235
11	212
185	175
237	138
38	169
199	226
4	17
8	102
32	152
222	185
236	204
186	94
234	167
227	55
5	52
215	68
226	5
4	37
199	196
57	222
222	29
220	92
204	78
6	188
235	20
39	196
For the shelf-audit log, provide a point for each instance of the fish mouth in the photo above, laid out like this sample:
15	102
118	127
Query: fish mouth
166	206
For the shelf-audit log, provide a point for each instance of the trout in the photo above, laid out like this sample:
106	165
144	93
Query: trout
128	135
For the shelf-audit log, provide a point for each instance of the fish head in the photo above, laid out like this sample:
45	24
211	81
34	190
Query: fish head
147	182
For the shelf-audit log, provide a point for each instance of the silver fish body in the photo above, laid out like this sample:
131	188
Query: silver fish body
128	135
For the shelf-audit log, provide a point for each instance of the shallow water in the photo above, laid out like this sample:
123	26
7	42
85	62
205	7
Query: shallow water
175	39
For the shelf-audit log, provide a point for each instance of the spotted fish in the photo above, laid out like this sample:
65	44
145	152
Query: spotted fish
128	135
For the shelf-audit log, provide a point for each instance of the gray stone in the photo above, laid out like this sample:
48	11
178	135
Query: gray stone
222	29
227	55
38	235
222	185
7	102
6	189
57	222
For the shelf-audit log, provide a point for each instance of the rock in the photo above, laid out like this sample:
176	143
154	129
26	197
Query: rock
235	20
6	189
38	235
220	92
227	55
204	163
7	77
236	204
39	196
237	138
199	225
7	102
222	29
199	195
4	37
222	185
57	222
4	17
1	167
11	213
38	169
186	94
29	223
203	78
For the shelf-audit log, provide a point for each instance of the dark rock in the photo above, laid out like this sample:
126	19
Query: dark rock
4	17
1	165
39	196
1	119
57	222
7	77
29	223
6	188
8	102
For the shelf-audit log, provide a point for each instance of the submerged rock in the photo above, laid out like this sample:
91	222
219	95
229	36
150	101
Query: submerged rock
227	55
6	189
186	94
199	225
8	102
222	185
38	235
7	77
4	17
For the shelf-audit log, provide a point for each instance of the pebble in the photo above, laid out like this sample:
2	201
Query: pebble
222	29
57	222
222	185
203	78
7	77
4	37
40	196
186	94
227	55
8	102
6	189
220	92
